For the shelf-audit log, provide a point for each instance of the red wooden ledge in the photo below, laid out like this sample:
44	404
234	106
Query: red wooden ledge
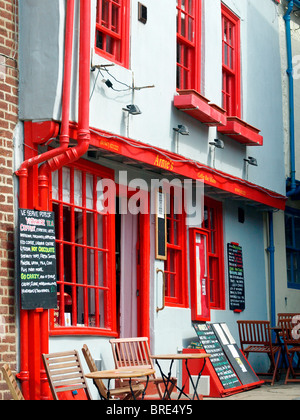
242	132
199	107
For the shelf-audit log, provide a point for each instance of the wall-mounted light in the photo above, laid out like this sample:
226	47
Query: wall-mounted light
182	129
132	109
252	161
217	143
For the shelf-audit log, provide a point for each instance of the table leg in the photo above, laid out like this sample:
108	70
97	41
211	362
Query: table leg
166	379
195	386
145	389
108	392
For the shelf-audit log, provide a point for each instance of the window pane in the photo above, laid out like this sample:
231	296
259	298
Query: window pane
105	13
66	185
115	19
297	231
297	268
90	229
289	230
78	226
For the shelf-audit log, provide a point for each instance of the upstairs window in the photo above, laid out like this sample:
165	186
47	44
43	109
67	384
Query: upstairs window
188	44
231	91
292	233
112	30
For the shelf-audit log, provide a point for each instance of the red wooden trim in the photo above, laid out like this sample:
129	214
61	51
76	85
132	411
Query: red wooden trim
172	162
164	159
122	35
219	254
193	68
236	71
242	132
108	262
179	259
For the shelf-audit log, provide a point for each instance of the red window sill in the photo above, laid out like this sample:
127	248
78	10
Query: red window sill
82	331
200	108
241	132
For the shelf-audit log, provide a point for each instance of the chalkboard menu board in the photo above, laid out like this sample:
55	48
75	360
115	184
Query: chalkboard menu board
218	359
236	277
236	358
37	259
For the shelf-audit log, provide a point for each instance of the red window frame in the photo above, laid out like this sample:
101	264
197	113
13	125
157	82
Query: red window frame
231	66
189	44
175	264
112	30
213	224
85	263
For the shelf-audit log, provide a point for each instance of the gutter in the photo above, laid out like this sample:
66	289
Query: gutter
271	250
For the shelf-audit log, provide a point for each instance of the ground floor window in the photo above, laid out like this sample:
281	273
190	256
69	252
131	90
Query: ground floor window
85	251
213	224
175	264
292	232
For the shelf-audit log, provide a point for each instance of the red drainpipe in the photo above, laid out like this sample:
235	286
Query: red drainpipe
74	153
28	319
83	135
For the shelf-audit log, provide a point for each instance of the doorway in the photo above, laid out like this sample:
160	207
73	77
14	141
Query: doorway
127	274
132	265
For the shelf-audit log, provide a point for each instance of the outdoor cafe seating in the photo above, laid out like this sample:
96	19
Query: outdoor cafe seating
290	334
256	337
135	352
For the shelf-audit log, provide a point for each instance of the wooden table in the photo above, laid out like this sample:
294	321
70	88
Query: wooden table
122	373
180	356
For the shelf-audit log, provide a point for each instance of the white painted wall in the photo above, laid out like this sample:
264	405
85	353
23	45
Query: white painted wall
152	61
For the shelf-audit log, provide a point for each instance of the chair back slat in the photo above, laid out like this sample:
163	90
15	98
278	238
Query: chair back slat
254	332
290	332
12	383
65	373
286	316
131	352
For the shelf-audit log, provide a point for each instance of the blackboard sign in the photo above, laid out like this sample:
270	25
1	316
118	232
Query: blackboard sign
161	226
37	259
236	358
218	359
236	277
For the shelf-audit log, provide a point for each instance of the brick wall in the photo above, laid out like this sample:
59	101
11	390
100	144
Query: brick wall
8	121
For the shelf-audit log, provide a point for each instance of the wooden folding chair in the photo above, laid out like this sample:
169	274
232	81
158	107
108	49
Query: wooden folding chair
12	383
65	376
285	317
290	334
123	392
257	336
135	353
